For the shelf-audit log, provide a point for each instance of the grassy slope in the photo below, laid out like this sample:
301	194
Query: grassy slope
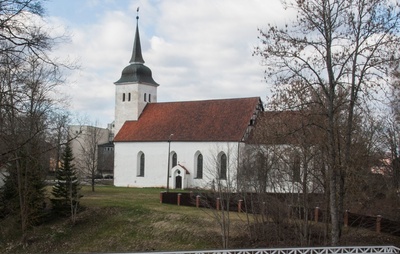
119	220
129	220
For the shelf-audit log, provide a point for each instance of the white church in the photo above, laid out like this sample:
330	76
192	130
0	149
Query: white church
176	145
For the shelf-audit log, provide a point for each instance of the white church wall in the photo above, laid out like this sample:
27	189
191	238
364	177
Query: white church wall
156	161
281	167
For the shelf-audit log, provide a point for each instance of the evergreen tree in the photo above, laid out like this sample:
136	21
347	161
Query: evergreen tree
28	172
66	188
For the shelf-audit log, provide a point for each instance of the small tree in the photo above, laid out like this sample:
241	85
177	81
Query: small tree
221	176
90	138
66	189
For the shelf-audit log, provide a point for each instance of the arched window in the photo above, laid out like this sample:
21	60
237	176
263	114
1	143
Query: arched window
174	160
141	164
222	166
129	96
145	97
123	97
296	168
199	166
149	97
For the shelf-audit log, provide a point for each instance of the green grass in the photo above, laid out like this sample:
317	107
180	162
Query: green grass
133	220
105	196
119	220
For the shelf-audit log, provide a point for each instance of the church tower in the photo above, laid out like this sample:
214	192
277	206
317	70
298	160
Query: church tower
135	88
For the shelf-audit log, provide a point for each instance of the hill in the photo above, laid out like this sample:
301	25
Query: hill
131	220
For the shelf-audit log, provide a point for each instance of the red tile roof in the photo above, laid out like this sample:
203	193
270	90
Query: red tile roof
285	127
210	120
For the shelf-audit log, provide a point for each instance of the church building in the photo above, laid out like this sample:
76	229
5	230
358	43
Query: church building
177	145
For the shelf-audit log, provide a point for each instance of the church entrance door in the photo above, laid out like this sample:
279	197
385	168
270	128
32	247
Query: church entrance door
178	182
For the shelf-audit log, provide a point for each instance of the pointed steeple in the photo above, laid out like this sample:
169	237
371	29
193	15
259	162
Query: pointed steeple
137	49
136	71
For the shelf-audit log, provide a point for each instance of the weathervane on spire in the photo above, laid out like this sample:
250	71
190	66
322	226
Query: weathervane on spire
137	13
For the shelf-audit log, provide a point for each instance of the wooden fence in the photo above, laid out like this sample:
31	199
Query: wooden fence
246	203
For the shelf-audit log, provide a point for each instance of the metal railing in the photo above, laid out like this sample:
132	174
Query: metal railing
310	250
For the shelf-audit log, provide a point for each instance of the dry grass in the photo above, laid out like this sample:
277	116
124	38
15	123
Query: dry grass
129	220
117	220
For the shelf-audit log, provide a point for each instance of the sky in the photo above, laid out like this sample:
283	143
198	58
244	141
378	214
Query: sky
197	49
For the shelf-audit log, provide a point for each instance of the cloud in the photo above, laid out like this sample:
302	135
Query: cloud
211	43
196	50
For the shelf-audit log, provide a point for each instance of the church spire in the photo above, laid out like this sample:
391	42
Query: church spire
137	49
136	71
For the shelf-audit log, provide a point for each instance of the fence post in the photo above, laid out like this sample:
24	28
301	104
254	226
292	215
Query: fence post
378	223
179	198
161	196
217	204
198	201
240	206
346	218
316	214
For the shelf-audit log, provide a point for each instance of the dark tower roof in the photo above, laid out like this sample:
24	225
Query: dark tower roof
137	49
136	71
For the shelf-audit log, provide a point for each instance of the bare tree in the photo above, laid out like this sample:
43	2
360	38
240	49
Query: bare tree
392	131
220	173
28	78
395	95
89	138
260	174
105	165
390	136
23	134
58	135
281	161
340	51
23	34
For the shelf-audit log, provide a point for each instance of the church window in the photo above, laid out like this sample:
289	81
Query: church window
174	160
141	164
149	97
123	97
222	166
145	96
199	166
129	96
296	169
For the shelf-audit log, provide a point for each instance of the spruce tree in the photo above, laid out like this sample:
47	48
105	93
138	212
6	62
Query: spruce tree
30	207
66	188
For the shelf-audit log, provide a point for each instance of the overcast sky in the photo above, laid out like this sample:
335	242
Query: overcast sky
197	49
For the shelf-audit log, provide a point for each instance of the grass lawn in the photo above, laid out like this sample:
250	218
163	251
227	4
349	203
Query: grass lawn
119	220
133	220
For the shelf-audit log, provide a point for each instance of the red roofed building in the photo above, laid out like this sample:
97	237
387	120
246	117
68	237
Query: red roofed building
181	145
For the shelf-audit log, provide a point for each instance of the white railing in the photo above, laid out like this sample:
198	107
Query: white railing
310	250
